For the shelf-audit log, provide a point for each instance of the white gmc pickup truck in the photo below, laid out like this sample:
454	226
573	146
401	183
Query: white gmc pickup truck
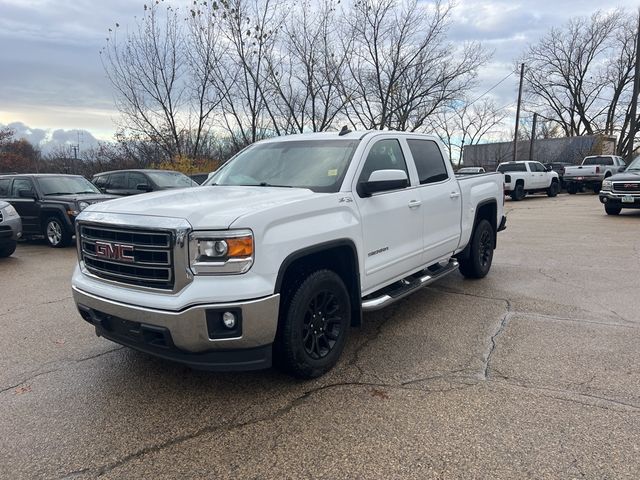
283	249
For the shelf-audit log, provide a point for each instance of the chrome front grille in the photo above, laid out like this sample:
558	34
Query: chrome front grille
626	187
1	217
144	258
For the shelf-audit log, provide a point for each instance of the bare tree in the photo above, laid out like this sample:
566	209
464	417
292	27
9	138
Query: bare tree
402	69
306	71
468	124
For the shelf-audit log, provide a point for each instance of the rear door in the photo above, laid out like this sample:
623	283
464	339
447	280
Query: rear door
135	179
28	207
117	184
391	221
540	175
441	200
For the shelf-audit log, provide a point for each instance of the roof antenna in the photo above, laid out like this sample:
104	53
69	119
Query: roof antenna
345	130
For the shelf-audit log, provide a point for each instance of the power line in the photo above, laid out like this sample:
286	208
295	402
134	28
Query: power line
488	91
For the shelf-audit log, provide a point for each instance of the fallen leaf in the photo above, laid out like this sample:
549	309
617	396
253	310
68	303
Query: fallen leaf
379	393
22	389
59	341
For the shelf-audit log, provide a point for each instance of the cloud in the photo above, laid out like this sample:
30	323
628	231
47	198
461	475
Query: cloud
49	140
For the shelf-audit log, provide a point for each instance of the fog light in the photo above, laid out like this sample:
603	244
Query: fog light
229	320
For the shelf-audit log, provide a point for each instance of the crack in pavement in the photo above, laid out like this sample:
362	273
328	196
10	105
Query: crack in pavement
231	426
61	364
50	302
619	403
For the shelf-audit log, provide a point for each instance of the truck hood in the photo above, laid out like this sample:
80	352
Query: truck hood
628	176
210	207
80	197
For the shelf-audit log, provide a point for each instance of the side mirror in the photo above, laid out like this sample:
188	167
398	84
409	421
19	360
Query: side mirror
622	169
382	181
26	194
549	169
143	187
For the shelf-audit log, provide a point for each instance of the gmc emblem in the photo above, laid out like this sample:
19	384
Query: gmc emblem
630	185
115	251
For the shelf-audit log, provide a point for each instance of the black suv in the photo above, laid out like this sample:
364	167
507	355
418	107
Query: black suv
49	203
131	182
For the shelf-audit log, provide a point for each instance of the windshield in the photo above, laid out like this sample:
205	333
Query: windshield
66	185
319	165
512	167
635	164
598	161
171	179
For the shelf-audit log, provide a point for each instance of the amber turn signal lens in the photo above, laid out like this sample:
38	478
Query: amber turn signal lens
240	247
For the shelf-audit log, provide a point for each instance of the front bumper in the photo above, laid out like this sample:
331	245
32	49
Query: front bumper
615	199
194	335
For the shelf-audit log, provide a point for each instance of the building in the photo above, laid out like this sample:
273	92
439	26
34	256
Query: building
545	150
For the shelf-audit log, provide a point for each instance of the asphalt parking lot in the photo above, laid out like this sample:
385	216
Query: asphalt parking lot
533	372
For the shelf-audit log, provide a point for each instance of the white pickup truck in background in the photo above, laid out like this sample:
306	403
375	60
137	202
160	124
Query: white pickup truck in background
592	172
525	177
282	250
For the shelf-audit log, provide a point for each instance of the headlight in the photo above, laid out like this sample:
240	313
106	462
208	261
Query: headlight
9	211
606	185
82	205
225	252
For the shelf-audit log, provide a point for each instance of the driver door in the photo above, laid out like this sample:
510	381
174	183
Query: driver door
391	221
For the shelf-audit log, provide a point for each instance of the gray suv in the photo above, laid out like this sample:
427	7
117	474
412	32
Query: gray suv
10	229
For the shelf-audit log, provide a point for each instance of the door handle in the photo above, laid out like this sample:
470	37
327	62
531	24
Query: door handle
415	203
454	194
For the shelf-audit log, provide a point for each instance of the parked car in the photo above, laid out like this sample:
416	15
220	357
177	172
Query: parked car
132	182
525	177
49	203
10	229
622	190
199	178
592	172
558	167
299	236
470	171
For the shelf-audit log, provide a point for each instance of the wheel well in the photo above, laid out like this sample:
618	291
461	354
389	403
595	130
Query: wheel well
554	180
341	258
607	175
485	211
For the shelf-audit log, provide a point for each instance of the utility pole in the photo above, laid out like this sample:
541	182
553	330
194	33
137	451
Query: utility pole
515	136
633	128
533	135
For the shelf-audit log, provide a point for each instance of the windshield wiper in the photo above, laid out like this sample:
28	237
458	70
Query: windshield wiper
265	184
58	193
85	191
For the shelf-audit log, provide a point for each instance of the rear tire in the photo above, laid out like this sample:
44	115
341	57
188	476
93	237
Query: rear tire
612	210
478	263
518	192
572	189
8	249
553	189
314	325
56	233
596	188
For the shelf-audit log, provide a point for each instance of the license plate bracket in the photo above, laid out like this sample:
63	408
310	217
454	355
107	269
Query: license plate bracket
628	199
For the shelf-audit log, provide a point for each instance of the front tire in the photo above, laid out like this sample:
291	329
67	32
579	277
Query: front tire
478	263
553	189
56	233
8	249
612	210
314	326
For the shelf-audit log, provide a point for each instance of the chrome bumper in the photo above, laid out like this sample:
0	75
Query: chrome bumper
188	328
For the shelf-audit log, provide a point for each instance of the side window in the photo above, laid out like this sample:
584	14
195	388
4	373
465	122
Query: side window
21	184
429	162
102	181
384	155
117	181
5	185
136	179
540	167
532	167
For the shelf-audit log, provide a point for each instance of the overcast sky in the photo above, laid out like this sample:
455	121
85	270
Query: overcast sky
51	77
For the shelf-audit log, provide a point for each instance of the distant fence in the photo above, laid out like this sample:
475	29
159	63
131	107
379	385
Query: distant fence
545	150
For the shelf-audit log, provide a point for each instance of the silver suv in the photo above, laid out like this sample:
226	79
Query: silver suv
10	229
